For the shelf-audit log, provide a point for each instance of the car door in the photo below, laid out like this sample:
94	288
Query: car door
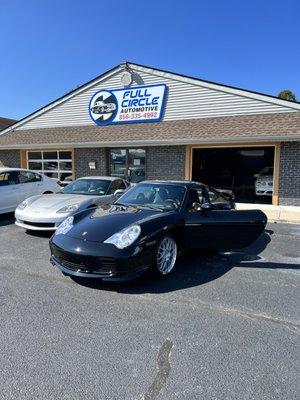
9	196
222	229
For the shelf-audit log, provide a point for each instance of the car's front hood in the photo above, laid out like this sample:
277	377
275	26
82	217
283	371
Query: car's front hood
98	224
54	202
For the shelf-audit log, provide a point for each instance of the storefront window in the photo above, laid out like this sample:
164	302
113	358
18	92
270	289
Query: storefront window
55	164
128	164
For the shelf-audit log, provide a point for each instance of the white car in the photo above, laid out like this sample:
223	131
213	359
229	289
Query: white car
17	184
264	182
103	108
46	213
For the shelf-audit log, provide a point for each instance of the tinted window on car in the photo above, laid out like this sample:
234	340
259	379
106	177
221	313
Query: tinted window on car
95	187
122	185
9	178
115	185
162	196
216	197
28	177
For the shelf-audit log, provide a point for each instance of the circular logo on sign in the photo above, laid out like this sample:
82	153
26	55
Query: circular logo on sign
103	107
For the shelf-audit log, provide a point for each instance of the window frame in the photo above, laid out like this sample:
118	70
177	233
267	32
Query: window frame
58	160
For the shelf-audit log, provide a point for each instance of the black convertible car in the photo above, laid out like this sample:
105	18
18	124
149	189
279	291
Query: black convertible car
148	227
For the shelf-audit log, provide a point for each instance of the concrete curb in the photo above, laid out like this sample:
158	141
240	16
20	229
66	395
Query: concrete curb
274	213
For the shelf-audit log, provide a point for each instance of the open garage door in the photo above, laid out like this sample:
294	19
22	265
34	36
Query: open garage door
247	171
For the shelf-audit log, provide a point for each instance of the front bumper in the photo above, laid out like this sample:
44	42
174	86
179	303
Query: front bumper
99	260
37	221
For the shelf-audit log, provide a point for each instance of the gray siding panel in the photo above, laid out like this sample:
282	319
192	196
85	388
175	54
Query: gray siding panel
185	101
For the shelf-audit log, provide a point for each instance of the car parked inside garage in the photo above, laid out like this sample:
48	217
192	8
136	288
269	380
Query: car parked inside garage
264	182
18	184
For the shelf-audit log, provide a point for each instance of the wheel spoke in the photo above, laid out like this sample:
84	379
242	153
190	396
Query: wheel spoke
166	255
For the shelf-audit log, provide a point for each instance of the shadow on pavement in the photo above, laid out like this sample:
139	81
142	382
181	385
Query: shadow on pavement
194	270
7	219
43	234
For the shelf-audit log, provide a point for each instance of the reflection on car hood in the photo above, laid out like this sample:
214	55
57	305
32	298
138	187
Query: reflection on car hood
56	201
99	224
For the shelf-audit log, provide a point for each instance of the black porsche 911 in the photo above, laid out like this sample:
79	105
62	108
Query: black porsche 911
148	227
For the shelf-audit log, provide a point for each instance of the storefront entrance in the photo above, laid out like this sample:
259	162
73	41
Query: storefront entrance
128	164
247	171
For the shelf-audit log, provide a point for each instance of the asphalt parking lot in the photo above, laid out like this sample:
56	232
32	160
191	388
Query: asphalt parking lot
221	327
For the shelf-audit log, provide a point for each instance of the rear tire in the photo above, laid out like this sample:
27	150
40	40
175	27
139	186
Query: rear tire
165	256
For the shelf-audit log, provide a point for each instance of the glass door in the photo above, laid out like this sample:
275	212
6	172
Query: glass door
128	164
118	163
136	165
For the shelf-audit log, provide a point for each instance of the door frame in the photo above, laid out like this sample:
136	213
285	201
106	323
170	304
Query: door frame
276	145
127	149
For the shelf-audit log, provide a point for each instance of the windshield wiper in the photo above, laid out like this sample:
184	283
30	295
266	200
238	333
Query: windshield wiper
151	207
139	206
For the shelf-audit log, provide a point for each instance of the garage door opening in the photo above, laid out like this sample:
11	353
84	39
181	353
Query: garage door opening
247	171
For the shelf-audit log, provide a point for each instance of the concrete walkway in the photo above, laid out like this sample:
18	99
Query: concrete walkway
274	213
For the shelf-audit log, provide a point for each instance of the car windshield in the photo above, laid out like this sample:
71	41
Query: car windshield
159	196
96	187
267	171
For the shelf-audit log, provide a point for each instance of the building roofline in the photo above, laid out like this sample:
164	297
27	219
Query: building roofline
66	95
290	102
174	75
169	142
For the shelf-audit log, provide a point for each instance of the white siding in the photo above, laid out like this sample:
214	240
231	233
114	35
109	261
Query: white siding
184	101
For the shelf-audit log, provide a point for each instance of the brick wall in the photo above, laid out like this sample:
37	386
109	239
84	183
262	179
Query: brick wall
10	158
82	158
289	184
165	162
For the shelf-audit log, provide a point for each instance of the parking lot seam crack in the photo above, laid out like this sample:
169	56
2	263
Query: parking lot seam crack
164	368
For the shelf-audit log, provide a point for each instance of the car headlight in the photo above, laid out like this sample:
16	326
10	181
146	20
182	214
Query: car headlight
65	226
125	237
70	208
23	205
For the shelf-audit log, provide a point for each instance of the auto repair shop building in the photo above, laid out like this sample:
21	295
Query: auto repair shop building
146	123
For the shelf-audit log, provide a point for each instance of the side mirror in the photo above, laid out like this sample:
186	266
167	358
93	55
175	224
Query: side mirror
207	206
256	175
119	192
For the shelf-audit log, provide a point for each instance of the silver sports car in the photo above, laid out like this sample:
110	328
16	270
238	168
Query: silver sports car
46	212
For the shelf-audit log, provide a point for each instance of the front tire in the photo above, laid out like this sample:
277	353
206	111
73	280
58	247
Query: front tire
165	255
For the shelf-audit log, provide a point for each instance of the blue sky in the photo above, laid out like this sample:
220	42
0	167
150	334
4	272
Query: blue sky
49	47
